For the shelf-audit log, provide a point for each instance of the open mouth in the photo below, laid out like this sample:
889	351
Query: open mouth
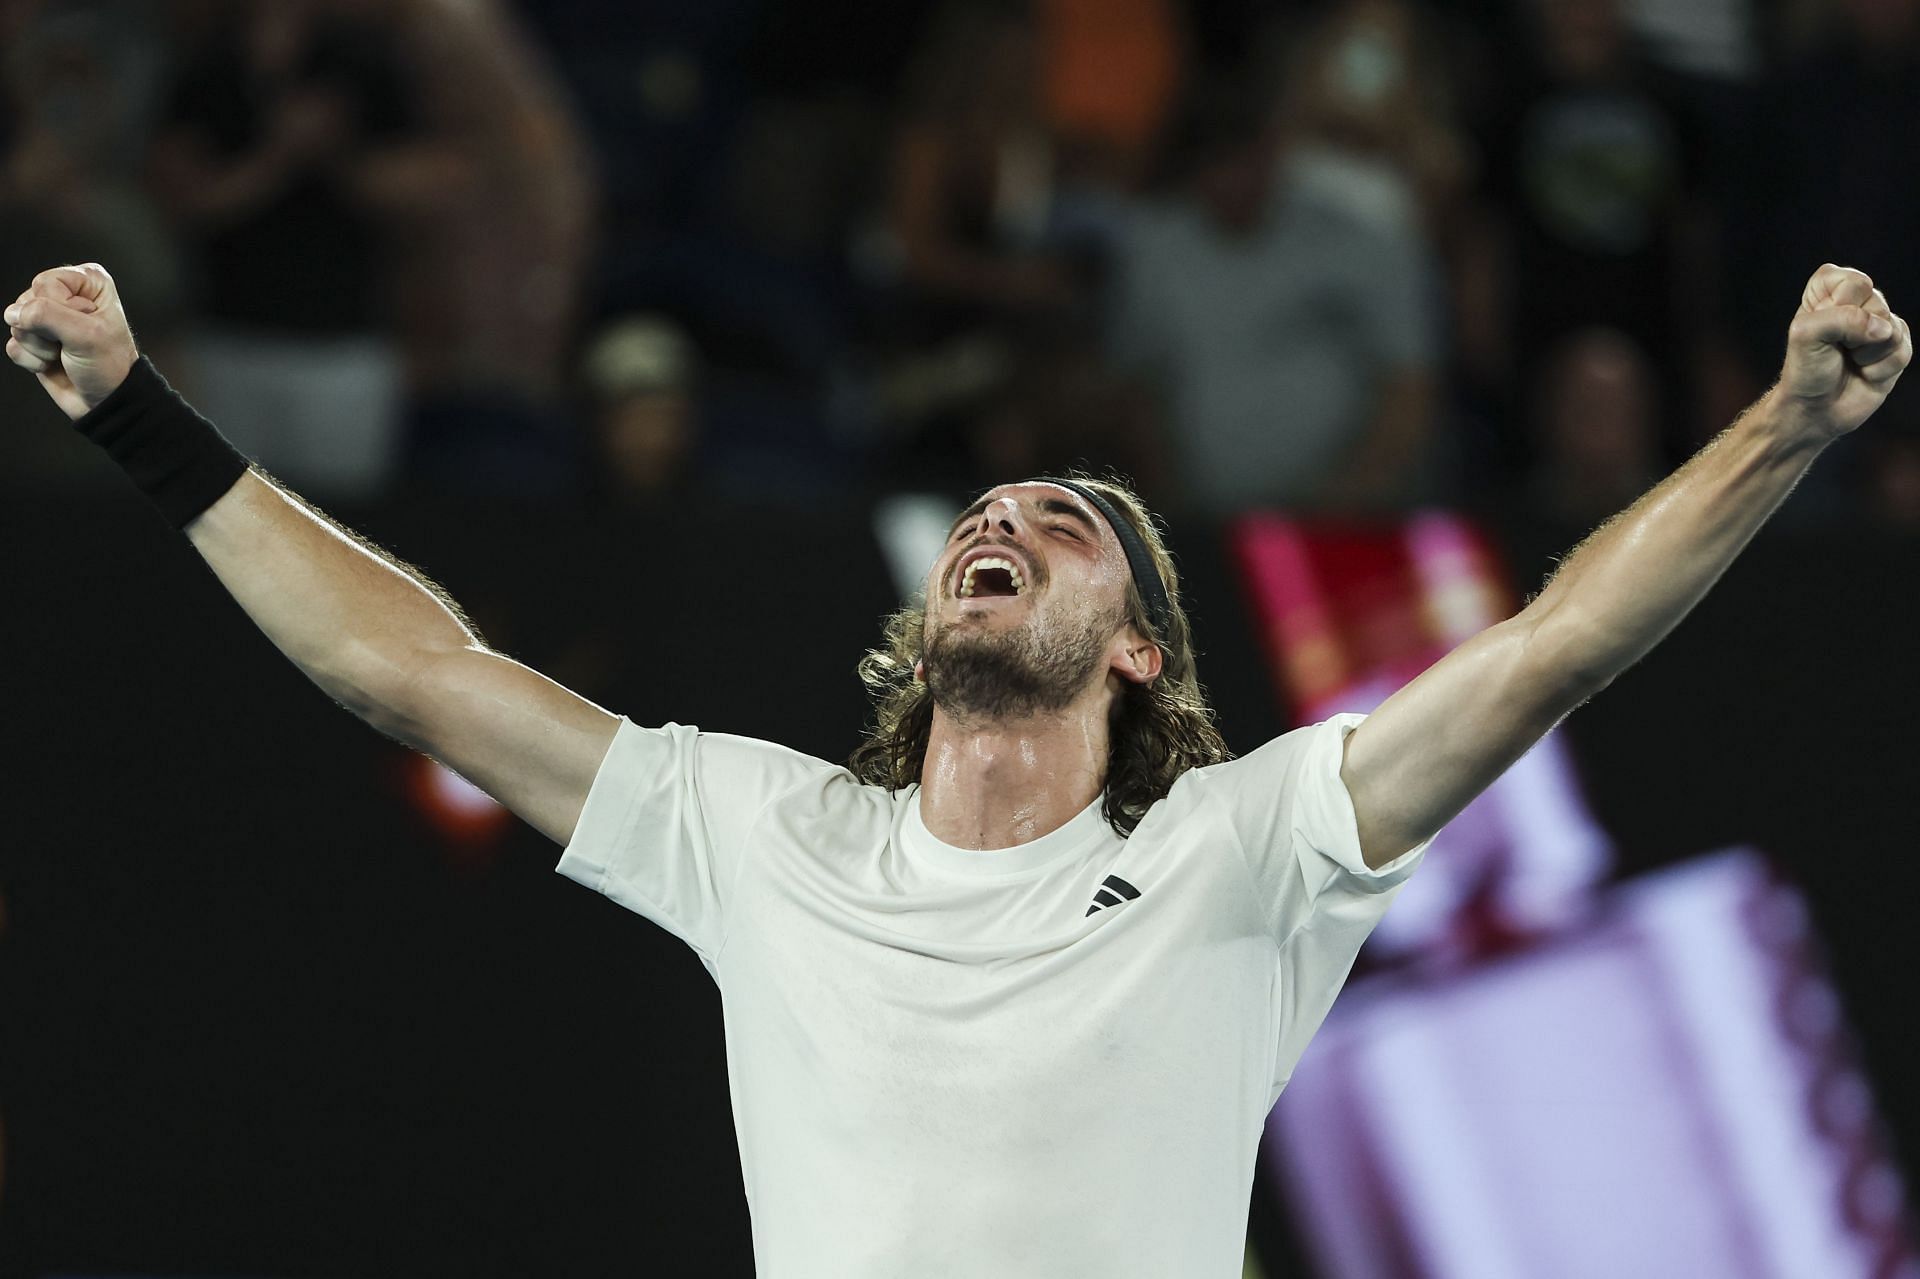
991	576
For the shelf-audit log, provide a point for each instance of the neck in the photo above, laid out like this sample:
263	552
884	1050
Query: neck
1000	783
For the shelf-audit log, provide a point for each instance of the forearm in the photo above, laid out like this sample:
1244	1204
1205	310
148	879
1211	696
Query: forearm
1436	743
1630	582
373	633
1442	739
357	623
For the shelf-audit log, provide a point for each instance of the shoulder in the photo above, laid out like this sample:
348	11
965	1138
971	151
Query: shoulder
759	753
721	788
1259	803
1216	792
780	773
1280	759
1287	789
727	766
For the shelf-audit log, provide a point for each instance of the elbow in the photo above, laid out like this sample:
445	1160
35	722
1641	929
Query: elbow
386	719
381	708
1569	657
392	690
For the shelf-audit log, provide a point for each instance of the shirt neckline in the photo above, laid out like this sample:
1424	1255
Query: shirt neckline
1078	834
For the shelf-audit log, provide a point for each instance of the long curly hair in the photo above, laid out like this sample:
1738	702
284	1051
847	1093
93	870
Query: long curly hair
1160	729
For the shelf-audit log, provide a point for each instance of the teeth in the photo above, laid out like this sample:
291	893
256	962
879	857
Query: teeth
992	561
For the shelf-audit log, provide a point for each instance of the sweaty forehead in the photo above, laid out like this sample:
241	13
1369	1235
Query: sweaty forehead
1029	491
1051	499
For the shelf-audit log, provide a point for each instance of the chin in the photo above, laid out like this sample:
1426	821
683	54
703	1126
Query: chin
985	614
994	605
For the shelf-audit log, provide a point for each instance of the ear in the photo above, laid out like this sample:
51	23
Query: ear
920	672
1136	658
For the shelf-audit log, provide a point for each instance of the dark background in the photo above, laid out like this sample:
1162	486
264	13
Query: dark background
261	1018
260	1014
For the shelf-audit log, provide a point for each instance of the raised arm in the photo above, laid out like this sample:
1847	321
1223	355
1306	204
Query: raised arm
373	633
381	640
1431	747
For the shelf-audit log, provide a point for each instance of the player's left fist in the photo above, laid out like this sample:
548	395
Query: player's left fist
1845	350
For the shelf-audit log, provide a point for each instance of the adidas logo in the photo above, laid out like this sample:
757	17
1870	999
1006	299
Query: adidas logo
1113	890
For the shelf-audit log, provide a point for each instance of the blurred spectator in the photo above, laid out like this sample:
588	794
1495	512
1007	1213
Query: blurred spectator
1893	485
1284	300
733	210
1596	416
492	203
801	173
1708	40
79	88
989	263
276	107
1063	407
974	174
639	376
1367	112
658	88
1594	212
1111	72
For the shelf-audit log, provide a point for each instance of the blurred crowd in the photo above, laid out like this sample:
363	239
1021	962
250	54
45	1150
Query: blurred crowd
1350	256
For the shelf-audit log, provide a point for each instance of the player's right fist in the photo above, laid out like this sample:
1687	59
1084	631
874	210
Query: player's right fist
69	328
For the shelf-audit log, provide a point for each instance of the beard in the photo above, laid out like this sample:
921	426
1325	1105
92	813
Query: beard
1016	673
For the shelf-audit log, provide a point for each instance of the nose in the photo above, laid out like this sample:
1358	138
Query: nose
1002	515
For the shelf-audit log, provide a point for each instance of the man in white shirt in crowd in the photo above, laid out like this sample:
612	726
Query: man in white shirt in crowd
1013	994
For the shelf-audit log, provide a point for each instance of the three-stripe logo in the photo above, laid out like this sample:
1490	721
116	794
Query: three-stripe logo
1113	890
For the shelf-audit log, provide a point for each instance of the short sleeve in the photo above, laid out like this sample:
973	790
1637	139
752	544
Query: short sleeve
1320	899
1295	823
669	818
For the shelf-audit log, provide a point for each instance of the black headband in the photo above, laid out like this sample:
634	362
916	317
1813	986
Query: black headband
1146	574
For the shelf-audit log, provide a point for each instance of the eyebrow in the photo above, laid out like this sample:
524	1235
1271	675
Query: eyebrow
972	512
1059	506
1050	505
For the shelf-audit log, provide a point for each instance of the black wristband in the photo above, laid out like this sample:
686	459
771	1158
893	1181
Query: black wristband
171	453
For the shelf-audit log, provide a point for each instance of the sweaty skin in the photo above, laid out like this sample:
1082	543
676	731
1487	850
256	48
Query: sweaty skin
385	644
999	783
1441	740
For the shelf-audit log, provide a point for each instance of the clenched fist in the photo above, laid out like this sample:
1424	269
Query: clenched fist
69	328
1845	350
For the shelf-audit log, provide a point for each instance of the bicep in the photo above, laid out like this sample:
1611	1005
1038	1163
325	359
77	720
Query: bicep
519	736
1419	759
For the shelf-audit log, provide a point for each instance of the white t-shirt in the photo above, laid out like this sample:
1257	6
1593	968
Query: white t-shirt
1049	1060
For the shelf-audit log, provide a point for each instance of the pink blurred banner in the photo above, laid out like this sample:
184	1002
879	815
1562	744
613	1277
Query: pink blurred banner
1536	1072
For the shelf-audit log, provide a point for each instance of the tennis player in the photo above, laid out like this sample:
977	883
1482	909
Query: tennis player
1013	993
